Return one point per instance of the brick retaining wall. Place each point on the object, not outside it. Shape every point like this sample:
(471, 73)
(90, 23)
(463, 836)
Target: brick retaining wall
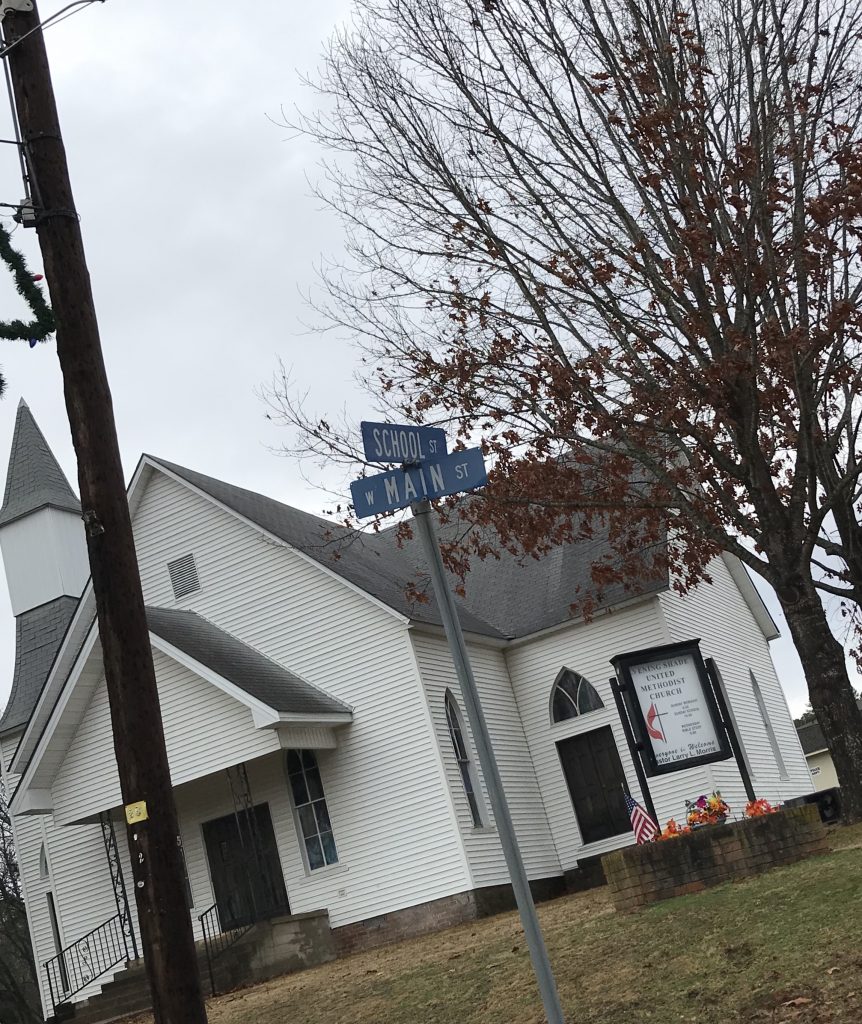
(638, 875)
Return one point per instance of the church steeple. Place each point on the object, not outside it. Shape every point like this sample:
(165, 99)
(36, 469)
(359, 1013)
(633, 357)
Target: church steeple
(34, 479)
(41, 533)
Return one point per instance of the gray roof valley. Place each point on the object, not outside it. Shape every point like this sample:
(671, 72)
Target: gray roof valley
(505, 597)
(34, 479)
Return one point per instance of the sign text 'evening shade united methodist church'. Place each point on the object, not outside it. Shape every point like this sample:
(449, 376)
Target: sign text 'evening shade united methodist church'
(672, 707)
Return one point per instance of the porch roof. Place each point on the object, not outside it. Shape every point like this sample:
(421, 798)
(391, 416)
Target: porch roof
(260, 677)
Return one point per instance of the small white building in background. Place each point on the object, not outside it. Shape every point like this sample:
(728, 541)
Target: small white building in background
(820, 764)
(296, 678)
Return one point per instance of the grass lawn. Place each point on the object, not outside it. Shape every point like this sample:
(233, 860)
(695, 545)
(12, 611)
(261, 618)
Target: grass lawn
(782, 947)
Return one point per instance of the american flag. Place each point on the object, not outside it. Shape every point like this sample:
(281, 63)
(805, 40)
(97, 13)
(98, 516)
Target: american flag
(644, 828)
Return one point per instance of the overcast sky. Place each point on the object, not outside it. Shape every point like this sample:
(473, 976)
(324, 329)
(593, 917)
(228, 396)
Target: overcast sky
(201, 238)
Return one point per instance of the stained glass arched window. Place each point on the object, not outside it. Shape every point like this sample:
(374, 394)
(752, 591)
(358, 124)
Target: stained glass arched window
(573, 696)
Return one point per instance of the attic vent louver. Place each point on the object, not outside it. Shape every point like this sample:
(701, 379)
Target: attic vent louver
(184, 575)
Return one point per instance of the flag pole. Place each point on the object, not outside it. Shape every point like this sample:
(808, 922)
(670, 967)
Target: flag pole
(616, 689)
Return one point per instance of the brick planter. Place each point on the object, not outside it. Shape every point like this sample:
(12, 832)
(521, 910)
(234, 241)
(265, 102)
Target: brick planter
(638, 875)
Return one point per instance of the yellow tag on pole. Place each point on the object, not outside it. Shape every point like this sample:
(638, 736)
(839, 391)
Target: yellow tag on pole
(136, 812)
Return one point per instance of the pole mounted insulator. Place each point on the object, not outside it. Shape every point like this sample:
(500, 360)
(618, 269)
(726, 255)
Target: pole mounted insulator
(14, 5)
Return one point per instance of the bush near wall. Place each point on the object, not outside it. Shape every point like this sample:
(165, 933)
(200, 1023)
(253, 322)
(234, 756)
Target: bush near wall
(638, 875)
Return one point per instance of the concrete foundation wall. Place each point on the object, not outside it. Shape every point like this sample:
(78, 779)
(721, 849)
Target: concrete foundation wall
(438, 914)
(280, 946)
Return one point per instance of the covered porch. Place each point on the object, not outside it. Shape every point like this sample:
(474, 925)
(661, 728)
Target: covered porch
(249, 745)
(253, 840)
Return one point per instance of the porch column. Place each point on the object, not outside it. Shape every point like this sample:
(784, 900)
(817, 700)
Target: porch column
(118, 882)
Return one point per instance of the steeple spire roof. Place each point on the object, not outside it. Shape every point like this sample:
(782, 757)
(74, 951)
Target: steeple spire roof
(34, 479)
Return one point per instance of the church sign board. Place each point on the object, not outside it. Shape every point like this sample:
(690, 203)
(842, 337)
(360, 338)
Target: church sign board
(672, 707)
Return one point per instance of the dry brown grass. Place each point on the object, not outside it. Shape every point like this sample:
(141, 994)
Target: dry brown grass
(784, 947)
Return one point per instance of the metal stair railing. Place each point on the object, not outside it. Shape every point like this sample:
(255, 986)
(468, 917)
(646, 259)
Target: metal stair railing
(217, 939)
(86, 960)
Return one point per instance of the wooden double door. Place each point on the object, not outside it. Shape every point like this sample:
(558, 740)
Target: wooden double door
(245, 869)
(596, 780)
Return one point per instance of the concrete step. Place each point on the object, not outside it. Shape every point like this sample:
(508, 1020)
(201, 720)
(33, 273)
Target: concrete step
(129, 990)
(266, 950)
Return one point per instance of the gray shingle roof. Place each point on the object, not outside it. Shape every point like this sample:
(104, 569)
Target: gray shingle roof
(240, 664)
(38, 635)
(371, 562)
(523, 595)
(505, 597)
(811, 735)
(34, 479)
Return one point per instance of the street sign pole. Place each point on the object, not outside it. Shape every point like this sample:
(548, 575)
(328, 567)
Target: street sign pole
(424, 513)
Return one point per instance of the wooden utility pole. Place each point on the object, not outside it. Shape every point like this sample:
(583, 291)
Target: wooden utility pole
(139, 742)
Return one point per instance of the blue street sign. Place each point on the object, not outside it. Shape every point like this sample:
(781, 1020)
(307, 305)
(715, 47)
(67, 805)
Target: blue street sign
(390, 442)
(385, 492)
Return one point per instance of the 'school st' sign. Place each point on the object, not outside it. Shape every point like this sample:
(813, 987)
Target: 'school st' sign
(389, 442)
(672, 707)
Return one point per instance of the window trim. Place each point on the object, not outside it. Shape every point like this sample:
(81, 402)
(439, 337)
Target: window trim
(780, 763)
(190, 902)
(57, 935)
(728, 703)
(464, 761)
(581, 679)
(297, 817)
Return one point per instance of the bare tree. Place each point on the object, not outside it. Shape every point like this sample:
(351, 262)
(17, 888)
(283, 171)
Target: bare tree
(620, 241)
(19, 1000)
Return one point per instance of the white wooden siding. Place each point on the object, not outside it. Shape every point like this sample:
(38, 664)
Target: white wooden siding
(205, 730)
(79, 878)
(28, 833)
(723, 622)
(587, 649)
(336, 888)
(482, 845)
(384, 783)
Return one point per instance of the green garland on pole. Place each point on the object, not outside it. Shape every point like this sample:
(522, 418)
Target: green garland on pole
(43, 324)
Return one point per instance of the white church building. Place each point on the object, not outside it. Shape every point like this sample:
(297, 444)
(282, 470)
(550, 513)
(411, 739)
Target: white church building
(304, 695)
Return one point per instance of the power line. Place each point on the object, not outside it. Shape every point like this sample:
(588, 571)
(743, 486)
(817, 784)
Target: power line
(55, 19)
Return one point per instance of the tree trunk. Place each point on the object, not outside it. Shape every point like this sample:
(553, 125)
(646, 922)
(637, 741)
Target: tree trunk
(829, 687)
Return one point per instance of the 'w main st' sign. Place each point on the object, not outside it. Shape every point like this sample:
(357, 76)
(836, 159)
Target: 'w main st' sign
(435, 478)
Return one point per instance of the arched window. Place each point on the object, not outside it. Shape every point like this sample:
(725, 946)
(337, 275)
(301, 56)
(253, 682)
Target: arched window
(573, 696)
(43, 862)
(465, 765)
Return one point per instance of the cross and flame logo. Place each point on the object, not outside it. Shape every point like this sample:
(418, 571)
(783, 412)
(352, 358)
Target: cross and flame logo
(654, 730)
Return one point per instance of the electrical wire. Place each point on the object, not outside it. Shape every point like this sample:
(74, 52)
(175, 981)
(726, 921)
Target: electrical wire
(24, 175)
(54, 19)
